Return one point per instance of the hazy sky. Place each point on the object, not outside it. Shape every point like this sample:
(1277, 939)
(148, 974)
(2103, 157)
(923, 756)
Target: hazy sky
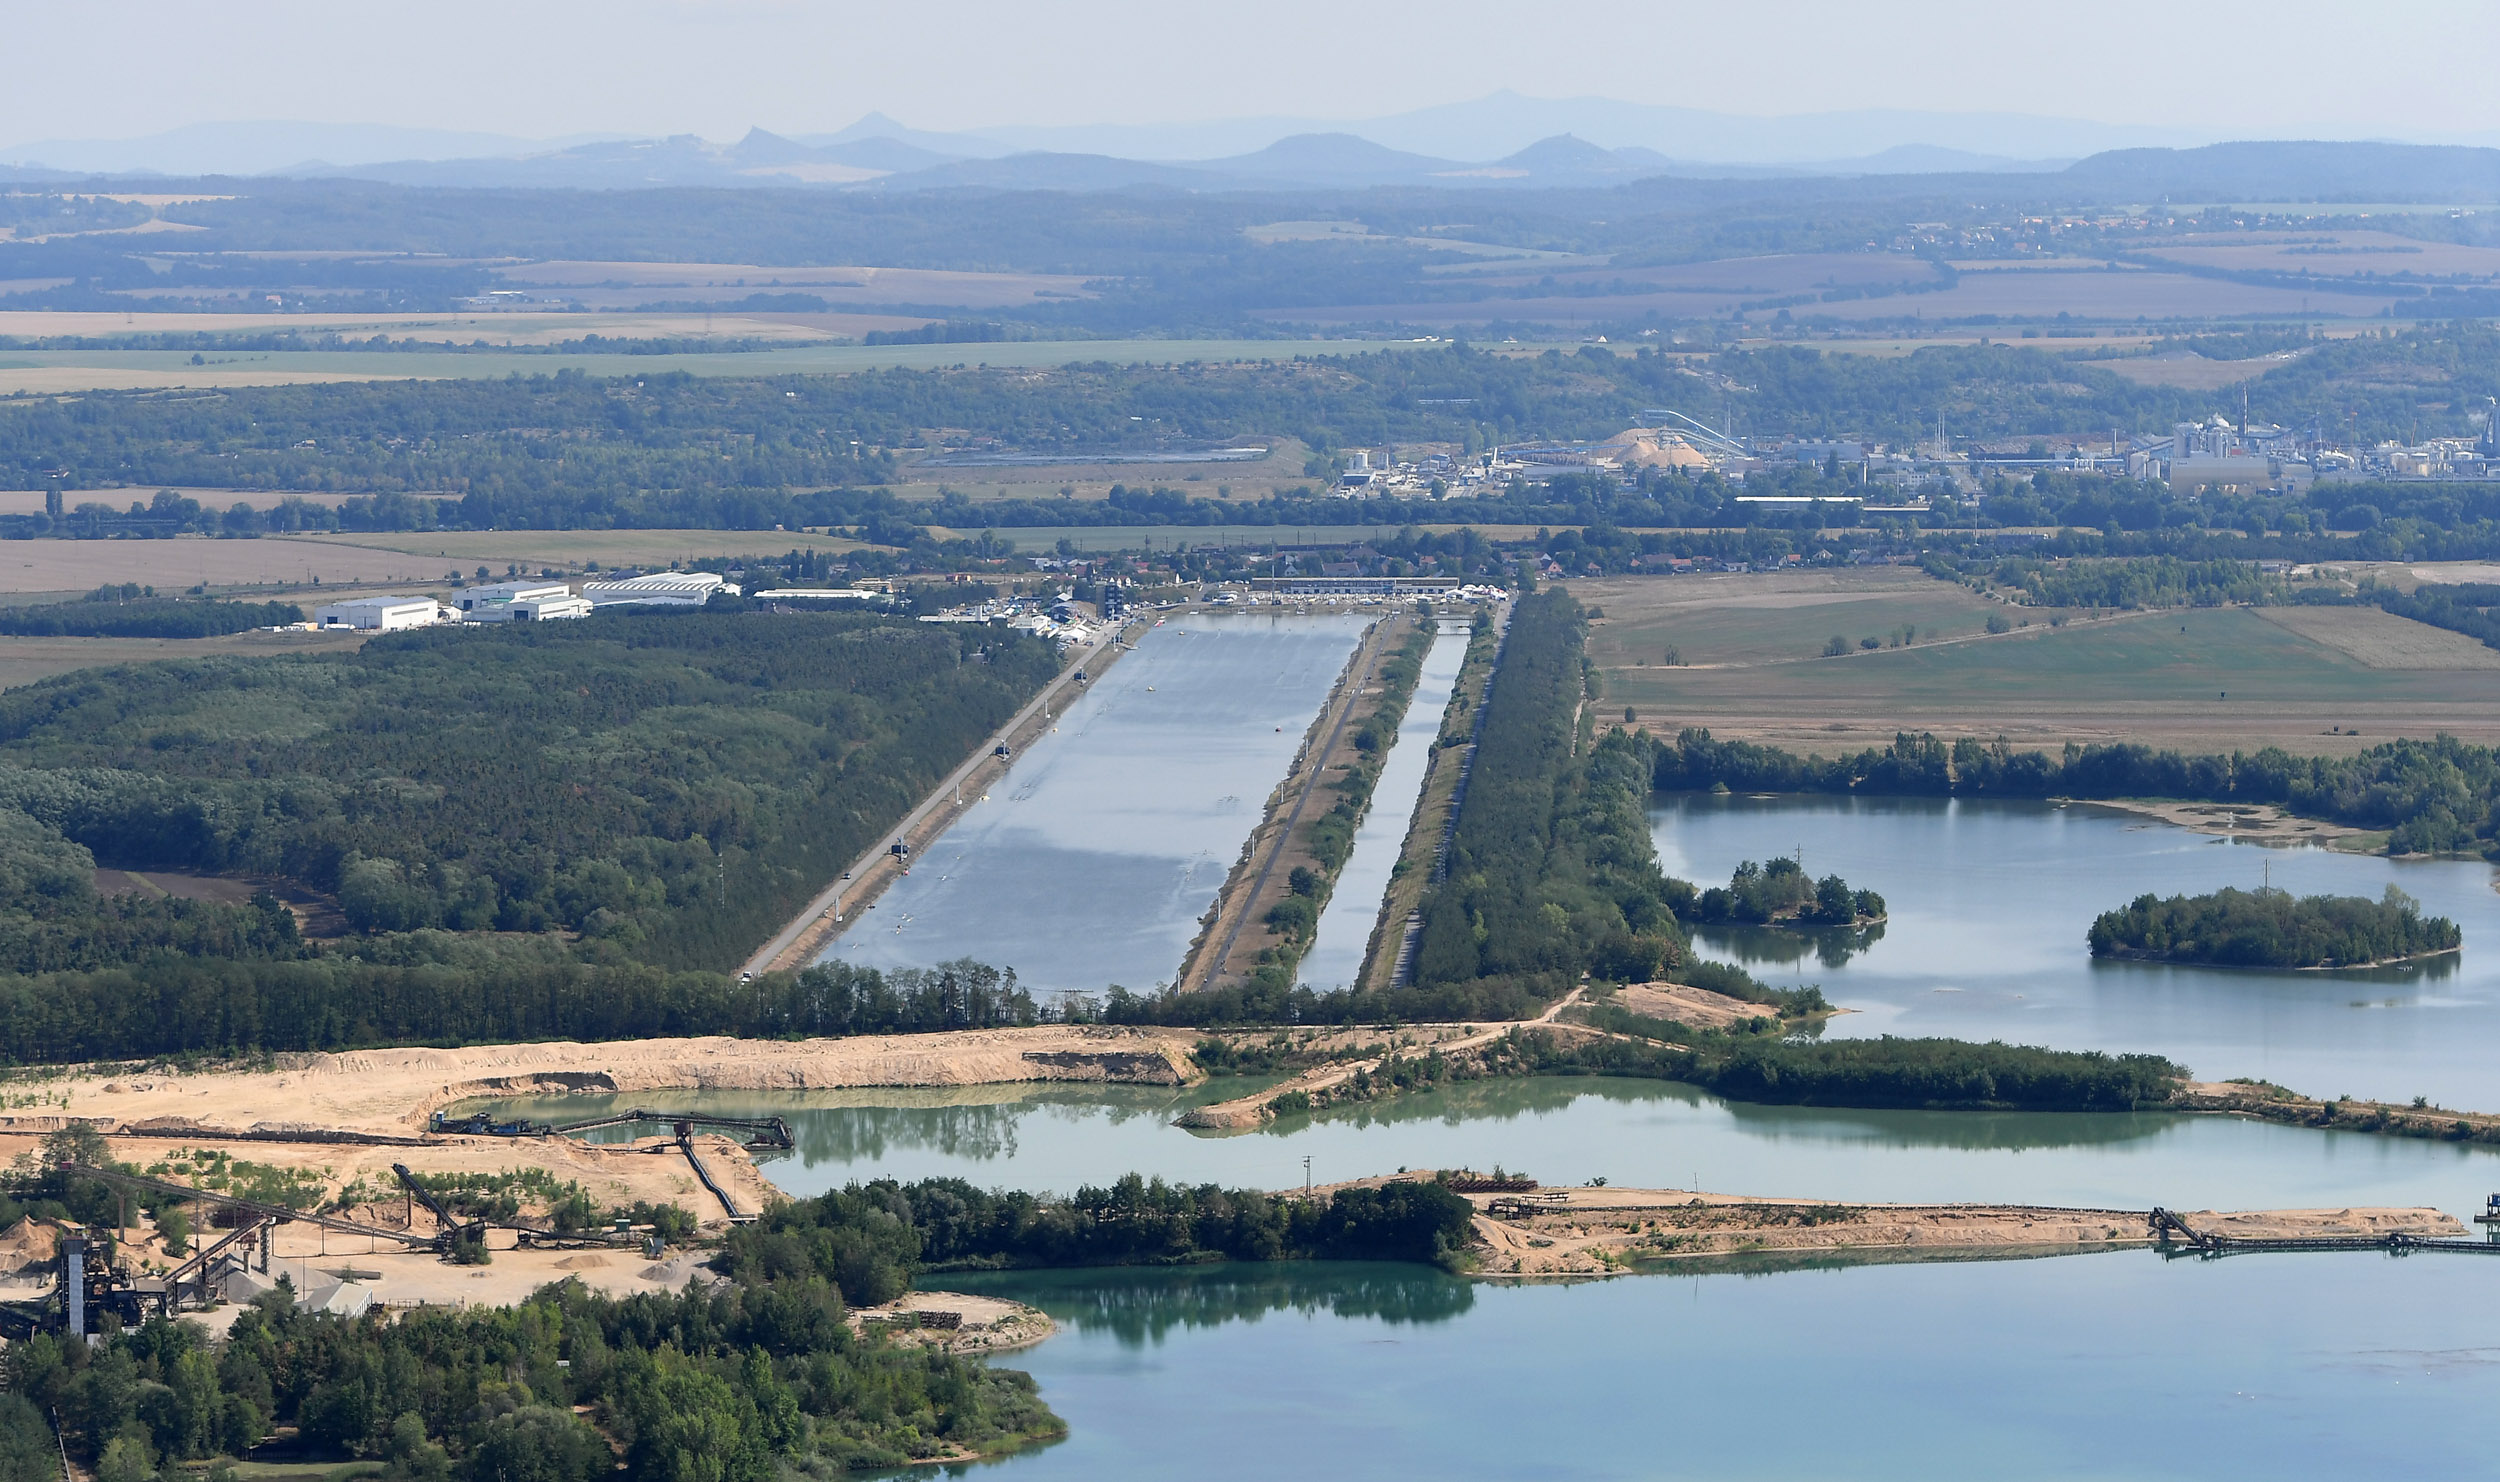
(119, 68)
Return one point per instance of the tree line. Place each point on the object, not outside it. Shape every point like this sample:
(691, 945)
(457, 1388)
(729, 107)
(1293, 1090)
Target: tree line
(2272, 928)
(741, 1384)
(1781, 891)
(2431, 796)
(870, 1240)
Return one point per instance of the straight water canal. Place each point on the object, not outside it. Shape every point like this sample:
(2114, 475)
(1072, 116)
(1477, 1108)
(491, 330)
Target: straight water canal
(1345, 928)
(1989, 904)
(1090, 862)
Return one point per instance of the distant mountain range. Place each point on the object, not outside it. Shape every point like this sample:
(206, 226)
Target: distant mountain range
(878, 153)
(1491, 128)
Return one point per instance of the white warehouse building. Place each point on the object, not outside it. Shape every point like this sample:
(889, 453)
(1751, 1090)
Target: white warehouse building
(667, 588)
(379, 614)
(519, 602)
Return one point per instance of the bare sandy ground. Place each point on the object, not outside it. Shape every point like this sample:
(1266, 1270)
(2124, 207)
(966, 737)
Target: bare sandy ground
(1376, 1046)
(393, 1091)
(1579, 1231)
(1698, 1007)
(2261, 823)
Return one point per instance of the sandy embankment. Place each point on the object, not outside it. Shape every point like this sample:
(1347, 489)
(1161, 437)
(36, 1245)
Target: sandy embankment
(389, 1094)
(1580, 1231)
(1366, 1050)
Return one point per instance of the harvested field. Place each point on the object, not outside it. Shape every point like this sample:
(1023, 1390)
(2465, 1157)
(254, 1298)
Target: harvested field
(845, 287)
(437, 551)
(25, 660)
(2194, 372)
(2336, 255)
(2383, 640)
(493, 328)
(1749, 645)
(278, 561)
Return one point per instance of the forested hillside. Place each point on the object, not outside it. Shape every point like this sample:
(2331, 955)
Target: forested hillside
(634, 802)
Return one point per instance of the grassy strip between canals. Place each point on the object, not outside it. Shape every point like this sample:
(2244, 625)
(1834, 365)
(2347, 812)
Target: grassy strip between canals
(2273, 928)
(1330, 837)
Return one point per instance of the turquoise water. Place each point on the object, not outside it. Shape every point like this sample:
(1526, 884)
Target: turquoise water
(1641, 1134)
(1090, 863)
(2114, 1365)
(1345, 927)
(1990, 902)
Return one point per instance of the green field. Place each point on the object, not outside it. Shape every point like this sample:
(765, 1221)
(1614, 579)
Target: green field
(68, 370)
(2213, 679)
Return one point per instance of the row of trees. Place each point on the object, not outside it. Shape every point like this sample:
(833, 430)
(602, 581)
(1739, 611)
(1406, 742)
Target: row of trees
(870, 1239)
(1294, 921)
(1551, 869)
(2272, 928)
(2441, 795)
(1869, 1072)
(148, 617)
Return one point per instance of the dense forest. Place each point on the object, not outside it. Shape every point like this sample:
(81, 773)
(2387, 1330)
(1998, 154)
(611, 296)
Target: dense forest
(748, 1383)
(2272, 928)
(633, 801)
(2435, 796)
(1550, 866)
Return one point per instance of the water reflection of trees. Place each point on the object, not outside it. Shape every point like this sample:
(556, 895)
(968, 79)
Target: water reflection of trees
(1139, 1306)
(1830, 946)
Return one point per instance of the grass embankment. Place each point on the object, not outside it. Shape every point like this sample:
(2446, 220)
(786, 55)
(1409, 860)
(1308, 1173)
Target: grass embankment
(1315, 859)
(1412, 875)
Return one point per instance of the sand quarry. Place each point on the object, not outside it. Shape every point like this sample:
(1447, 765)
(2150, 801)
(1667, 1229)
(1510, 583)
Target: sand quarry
(374, 1107)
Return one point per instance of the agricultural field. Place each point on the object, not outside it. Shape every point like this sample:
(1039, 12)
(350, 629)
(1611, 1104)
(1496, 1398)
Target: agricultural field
(2337, 255)
(625, 284)
(2202, 679)
(273, 563)
(56, 372)
(25, 660)
(435, 552)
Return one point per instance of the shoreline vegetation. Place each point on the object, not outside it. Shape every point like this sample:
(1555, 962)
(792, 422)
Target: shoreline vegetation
(2269, 928)
(1780, 893)
(2428, 797)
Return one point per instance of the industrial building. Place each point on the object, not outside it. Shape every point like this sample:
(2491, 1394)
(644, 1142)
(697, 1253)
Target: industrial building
(663, 588)
(379, 614)
(519, 602)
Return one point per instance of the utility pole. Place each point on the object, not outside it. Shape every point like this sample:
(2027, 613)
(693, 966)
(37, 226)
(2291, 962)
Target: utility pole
(1306, 1173)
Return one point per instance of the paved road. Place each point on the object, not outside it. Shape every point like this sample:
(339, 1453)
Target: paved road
(857, 877)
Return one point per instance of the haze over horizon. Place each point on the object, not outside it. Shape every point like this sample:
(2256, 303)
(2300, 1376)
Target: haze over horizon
(1117, 76)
